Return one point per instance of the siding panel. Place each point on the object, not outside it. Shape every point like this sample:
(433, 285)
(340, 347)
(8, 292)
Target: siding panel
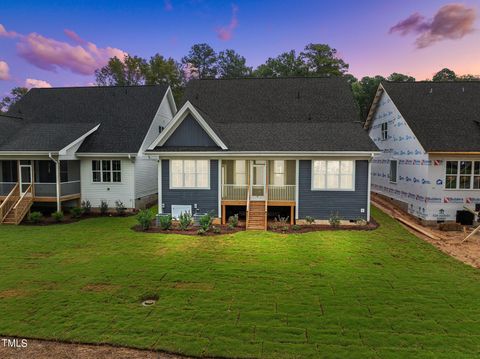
(190, 133)
(146, 177)
(320, 204)
(206, 200)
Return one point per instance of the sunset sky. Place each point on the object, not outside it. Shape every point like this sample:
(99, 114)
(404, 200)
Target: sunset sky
(60, 43)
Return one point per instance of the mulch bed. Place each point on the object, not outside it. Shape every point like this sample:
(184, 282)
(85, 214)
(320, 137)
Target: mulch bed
(325, 227)
(67, 219)
(192, 231)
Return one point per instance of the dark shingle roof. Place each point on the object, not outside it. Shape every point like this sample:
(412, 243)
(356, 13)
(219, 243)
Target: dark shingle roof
(443, 115)
(281, 114)
(124, 113)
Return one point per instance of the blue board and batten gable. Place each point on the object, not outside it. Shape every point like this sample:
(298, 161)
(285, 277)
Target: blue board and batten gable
(189, 134)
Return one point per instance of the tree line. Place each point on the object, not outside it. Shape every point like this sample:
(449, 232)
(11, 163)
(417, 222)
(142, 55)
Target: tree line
(203, 62)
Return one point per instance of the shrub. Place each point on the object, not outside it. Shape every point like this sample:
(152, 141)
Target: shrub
(120, 208)
(334, 219)
(233, 221)
(87, 207)
(103, 207)
(185, 220)
(216, 230)
(58, 216)
(206, 221)
(201, 232)
(35, 217)
(309, 219)
(296, 227)
(165, 222)
(145, 218)
(76, 212)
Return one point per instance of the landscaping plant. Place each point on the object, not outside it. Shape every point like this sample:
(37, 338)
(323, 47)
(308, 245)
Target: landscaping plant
(145, 218)
(58, 216)
(206, 221)
(103, 207)
(120, 208)
(309, 219)
(76, 212)
(184, 220)
(334, 219)
(35, 217)
(165, 222)
(87, 207)
(233, 221)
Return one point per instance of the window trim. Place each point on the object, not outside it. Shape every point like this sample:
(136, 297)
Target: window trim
(458, 175)
(384, 132)
(111, 182)
(312, 186)
(390, 171)
(183, 161)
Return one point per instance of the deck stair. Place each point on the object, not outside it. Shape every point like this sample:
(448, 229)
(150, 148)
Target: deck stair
(256, 216)
(16, 206)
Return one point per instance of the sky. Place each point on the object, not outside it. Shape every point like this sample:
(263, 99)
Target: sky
(61, 42)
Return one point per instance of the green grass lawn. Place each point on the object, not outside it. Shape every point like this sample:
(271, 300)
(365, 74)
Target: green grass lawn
(345, 294)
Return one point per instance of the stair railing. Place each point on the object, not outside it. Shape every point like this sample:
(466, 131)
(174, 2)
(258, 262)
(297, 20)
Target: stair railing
(9, 202)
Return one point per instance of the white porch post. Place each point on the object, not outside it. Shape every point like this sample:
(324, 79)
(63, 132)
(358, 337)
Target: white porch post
(160, 209)
(57, 175)
(297, 176)
(369, 189)
(220, 187)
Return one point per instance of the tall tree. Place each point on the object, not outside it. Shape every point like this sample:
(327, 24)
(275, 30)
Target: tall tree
(232, 65)
(15, 94)
(444, 75)
(201, 61)
(286, 64)
(364, 92)
(130, 71)
(400, 77)
(160, 70)
(468, 77)
(321, 59)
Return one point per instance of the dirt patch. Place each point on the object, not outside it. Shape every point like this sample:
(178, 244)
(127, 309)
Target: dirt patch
(42, 349)
(100, 287)
(450, 242)
(322, 227)
(13, 293)
(192, 231)
(194, 286)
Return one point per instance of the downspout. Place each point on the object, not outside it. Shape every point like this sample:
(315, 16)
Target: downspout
(369, 189)
(57, 179)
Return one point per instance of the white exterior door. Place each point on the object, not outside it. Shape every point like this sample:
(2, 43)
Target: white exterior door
(25, 177)
(258, 180)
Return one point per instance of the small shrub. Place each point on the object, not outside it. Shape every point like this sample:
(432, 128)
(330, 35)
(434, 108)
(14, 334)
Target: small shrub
(87, 207)
(35, 217)
(233, 221)
(165, 222)
(282, 221)
(309, 219)
(284, 228)
(216, 230)
(184, 220)
(120, 208)
(334, 219)
(103, 207)
(296, 227)
(201, 232)
(76, 212)
(58, 216)
(206, 221)
(145, 218)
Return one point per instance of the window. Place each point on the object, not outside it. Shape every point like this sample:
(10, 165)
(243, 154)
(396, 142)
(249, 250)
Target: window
(333, 175)
(279, 173)
(106, 171)
(393, 171)
(462, 175)
(189, 174)
(384, 131)
(240, 172)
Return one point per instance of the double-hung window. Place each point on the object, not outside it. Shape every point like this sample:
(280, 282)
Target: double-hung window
(190, 174)
(333, 175)
(240, 172)
(393, 171)
(462, 175)
(107, 171)
(278, 173)
(384, 131)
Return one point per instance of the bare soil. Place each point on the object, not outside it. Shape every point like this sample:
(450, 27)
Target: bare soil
(42, 349)
(450, 242)
(305, 228)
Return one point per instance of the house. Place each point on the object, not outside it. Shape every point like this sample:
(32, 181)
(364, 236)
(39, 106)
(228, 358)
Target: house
(286, 146)
(66, 145)
(429, 137)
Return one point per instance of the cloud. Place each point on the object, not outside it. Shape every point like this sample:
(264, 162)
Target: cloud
(167, 5)
(34, 83)
(225, 33)
(4, 71)
(83, 57)
(451, 22)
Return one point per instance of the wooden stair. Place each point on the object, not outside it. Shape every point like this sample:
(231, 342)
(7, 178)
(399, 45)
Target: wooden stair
(15, 207)
(256, 216)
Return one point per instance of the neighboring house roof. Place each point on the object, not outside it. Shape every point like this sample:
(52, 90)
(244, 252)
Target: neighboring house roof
(58, 115)
(444, 116)
(280, 114)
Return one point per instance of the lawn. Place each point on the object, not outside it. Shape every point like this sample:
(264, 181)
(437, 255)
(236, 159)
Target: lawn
(345, 294)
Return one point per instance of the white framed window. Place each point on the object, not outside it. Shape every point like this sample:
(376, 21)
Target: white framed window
(384, 131)
(278, 173)
(462, 175)
(107, 171)
(240, 172)
(333, 175)
(393, 171)
(193, 174)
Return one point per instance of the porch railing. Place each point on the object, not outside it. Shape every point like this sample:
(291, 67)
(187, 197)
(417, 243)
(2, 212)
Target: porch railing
(234, 192)
(6, 187)
(281, 193)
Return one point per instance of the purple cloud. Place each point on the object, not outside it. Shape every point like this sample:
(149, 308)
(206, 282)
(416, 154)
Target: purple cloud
(225, 33)
(451, 22)
(4, 71)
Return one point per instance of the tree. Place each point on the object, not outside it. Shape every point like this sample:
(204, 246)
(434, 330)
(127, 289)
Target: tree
(400, 77)
(321, 59)
(160, 70)
(232, 65)
(468, 77)
(286, 64)
(364, 92)
(128, 72)
(201, 61)
(15, 94)
(444, 75)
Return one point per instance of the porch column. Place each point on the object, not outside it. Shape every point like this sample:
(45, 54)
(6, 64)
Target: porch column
(297, 176)
(57, 175)
(160, 208)
(220, 188)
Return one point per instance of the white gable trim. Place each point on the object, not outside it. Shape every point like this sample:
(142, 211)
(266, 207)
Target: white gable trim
(188, 108)
(64, 150)
(373, 107)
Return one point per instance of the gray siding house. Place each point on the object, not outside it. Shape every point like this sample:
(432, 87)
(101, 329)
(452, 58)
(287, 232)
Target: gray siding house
(263, 147)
